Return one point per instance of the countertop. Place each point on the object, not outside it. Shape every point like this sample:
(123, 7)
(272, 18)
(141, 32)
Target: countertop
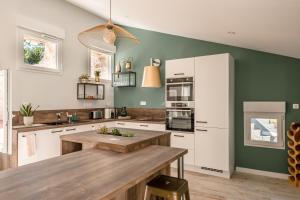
(141, 138)
(89, 174)
(37, 127)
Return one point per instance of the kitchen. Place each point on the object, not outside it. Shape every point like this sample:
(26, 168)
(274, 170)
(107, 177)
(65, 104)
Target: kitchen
(202, 95)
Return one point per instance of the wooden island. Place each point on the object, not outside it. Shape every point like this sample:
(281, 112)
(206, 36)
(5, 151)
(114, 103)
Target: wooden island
(101, 168)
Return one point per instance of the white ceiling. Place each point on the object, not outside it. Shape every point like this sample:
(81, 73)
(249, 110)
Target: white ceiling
(265, 25)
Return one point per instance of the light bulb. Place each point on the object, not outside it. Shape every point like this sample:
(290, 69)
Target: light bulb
(109, 36)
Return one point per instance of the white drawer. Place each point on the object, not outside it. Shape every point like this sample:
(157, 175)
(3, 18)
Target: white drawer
(183, 140)
(189, 158)
(141, 126)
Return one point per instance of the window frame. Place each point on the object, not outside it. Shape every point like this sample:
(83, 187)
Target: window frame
(21, 65)
(280, 129)
(111, 61)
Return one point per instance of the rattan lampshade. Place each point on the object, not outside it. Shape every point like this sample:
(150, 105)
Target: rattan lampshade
(151, 78)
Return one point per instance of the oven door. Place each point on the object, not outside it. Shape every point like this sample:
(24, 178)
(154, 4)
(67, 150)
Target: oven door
(180, 91)
(180, 119)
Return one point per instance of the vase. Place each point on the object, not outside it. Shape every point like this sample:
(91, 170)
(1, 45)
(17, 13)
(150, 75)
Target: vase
(97, 79)
(28, 121)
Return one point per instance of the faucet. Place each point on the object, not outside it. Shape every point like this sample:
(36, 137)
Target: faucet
(69, 118)
(58, 117)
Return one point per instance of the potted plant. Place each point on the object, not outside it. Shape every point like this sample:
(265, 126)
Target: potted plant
(27, 112)
(84, 78)
(97, 75)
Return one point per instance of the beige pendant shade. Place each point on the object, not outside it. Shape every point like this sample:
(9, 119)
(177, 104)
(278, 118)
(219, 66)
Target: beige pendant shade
(151, 77)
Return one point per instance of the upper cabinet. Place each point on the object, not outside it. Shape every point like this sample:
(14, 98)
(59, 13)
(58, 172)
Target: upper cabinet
(214, 84)
(180, 68)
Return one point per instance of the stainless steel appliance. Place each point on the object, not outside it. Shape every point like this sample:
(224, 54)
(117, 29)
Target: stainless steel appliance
(180, 117)
(180, 89)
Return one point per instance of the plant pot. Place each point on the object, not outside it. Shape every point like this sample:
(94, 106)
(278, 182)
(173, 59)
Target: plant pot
(28, 121)
(84, 80)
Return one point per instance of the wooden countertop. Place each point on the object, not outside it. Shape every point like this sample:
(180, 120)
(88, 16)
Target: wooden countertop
(90, 174)
(84, 122)
(121, 144)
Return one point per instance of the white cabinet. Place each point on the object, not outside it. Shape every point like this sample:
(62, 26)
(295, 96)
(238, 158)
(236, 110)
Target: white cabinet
(214, 114)
(212, 148)
(180, 68)
(186, 141)
(46, 146)
(212, 90)
(140, 126)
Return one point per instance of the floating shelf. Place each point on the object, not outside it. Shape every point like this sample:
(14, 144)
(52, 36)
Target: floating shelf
(90, 91)
(124, 79)
(294, 154)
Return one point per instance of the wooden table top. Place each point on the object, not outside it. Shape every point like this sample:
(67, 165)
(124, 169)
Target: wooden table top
(90, 174)
(115, 143)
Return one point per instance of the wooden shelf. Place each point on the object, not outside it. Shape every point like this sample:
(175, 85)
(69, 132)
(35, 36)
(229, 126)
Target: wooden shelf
(294, 152)
(90, 91)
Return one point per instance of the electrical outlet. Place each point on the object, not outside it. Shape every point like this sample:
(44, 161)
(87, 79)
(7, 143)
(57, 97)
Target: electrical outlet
(295, 106)
(143, 103)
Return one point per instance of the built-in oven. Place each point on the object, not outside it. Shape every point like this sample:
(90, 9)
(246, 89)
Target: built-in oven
(180, 119)
(180, 89)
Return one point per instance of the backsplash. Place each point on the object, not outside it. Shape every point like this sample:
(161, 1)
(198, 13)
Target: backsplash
(43, 116)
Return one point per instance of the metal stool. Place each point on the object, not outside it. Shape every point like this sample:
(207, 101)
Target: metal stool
(167, 188)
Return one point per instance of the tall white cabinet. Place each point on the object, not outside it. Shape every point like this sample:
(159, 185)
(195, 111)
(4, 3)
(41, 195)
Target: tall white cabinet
(214, 114)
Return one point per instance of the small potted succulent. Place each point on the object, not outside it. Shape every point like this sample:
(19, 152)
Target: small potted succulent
(84, 78)
(27, 112)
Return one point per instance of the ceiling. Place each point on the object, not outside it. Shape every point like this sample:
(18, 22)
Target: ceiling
(265, 25)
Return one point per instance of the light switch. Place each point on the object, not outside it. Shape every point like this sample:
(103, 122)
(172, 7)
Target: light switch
(143, 103)
(295, 106)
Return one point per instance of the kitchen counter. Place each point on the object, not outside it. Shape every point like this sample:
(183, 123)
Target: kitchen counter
(83, 122)
(91, 139)
(91, 174)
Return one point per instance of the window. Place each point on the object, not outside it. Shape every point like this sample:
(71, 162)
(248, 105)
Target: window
(39, 51)
(100, 62)
(264, 124)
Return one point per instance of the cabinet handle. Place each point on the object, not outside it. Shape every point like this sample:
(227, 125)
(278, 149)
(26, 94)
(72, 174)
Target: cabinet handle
(143, 125)
(177, 74)
(201, 122)
(59, 131)
(120, 123)
(178, 136)
(202, 130)
(71, 129)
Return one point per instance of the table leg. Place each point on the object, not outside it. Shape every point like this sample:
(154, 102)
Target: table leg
(180, 167)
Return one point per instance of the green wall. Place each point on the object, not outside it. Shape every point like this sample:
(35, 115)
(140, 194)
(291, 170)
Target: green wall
(259, 76)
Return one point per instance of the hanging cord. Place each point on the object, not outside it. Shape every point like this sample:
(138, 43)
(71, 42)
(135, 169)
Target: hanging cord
(110, 10)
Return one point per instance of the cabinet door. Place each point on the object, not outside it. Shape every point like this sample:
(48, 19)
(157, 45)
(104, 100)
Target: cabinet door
(48, 143)
(180, 68)
(211, 148)
(23, 158)
(212, 91)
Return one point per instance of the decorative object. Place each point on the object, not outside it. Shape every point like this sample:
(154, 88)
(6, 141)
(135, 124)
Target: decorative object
(106, 33)
(118, 68)
(124, 79)
(90, 91)
(27, 112)
(97, 76)
(151, 77)
(128, 64)
(84, 78)
(294, 154)
(123, 112)
(114, 131)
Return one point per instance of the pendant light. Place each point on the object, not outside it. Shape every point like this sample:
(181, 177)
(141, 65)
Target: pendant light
(151, 76)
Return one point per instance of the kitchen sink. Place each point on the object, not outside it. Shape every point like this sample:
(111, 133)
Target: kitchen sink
(56, 123)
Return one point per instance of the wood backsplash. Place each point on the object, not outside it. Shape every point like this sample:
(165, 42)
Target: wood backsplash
(43, 116)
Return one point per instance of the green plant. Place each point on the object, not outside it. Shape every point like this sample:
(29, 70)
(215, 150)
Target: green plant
(97, 73)
(33, 54)
(115, 132)
(27, 111)
(102, 130)
(84, 76)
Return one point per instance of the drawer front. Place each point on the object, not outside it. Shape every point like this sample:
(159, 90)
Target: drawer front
(183, 140)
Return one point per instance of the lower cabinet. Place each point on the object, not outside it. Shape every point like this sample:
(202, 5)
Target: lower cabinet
(186, 141)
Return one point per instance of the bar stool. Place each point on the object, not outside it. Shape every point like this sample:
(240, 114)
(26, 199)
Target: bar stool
(167, 188)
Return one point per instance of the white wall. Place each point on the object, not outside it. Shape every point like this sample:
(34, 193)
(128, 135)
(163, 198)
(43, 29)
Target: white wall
(48, 90)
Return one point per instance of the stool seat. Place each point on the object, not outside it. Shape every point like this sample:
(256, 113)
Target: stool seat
(167, 187)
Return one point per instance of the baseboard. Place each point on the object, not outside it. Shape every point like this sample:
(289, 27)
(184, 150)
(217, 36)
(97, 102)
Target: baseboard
(262, 173)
